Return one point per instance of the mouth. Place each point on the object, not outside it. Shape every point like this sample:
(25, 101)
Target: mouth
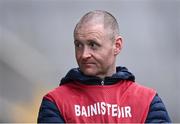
(88, 64)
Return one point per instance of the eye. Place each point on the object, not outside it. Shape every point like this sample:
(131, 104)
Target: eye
(78, 44)
(93, 45)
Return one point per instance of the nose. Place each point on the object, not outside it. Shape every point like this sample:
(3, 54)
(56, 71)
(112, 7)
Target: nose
(86, 53)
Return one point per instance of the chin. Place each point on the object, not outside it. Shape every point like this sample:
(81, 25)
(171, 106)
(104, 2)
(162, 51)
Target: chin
(89, 72)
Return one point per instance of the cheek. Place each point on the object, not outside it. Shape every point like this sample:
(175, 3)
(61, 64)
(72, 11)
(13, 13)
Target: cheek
(77, 55)
(108, 53)
(103, 58)
(108, 57)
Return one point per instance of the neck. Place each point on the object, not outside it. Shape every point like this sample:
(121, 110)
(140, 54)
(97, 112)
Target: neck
(108, 74)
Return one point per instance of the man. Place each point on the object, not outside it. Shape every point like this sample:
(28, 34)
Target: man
(98, 91)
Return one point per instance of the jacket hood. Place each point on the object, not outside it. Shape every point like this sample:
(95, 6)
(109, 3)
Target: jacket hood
(75, 74)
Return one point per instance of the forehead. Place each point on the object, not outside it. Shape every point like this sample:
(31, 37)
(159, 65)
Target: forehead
(89, 30)
(83, 28)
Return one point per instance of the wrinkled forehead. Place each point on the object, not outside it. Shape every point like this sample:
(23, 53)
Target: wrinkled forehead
(89, 32)
(89, 27)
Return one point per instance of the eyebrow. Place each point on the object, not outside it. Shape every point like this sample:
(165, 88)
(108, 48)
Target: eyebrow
(89, 40)
(75, 41)
(94, 41)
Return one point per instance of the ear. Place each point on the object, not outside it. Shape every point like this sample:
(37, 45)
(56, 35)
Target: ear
(118, 45)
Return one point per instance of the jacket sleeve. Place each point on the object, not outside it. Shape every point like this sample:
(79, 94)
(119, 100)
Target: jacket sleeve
(157, 112)
(49, 113)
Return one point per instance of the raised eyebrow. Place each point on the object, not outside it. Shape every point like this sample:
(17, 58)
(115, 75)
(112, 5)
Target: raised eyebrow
(94, 41)
(77, 41)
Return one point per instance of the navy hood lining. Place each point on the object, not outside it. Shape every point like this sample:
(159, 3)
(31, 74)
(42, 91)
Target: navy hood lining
(75, 74)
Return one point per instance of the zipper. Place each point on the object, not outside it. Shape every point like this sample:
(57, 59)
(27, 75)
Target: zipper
(102, 82)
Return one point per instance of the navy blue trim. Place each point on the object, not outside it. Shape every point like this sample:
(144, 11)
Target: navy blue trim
(49, 113)
(157, 112)
(75, 74)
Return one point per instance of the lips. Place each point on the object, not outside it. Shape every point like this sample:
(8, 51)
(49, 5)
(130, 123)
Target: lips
(88, 64)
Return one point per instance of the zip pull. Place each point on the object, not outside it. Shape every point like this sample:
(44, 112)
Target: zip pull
(102, 82)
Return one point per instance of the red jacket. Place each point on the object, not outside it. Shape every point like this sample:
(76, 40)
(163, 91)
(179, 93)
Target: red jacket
(122, 102)
(81, 98)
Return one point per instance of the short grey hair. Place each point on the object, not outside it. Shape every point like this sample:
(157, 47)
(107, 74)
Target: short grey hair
(100, 16)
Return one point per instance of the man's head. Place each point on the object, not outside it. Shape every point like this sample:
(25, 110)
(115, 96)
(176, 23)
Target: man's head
(97, 43)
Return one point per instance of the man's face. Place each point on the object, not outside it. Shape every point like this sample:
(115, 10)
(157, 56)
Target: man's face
(94, 51)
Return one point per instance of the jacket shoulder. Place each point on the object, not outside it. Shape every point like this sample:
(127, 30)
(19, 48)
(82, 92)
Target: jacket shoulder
(49, 113)
(157, 112)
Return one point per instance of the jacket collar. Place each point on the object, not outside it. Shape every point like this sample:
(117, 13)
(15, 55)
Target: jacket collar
(75, 74)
